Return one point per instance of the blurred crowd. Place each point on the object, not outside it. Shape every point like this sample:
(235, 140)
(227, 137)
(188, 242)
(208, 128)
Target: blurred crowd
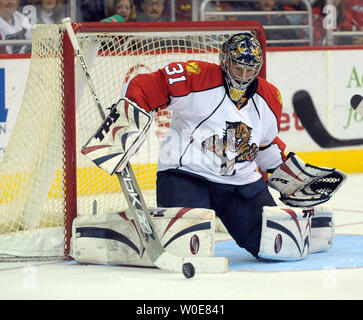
(17, 16)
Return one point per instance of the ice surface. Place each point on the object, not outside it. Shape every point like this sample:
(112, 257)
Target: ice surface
(335, 274)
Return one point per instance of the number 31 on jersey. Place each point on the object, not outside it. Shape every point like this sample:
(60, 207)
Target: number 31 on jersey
(175, 71)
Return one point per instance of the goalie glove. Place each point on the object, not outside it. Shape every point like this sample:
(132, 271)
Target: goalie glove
(303, 185)
(119, 137)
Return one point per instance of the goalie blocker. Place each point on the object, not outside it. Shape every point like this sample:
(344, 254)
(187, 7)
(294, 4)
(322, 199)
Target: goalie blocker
(119, 137)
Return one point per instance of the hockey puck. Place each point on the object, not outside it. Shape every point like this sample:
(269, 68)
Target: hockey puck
(355, 101)
(188, 270)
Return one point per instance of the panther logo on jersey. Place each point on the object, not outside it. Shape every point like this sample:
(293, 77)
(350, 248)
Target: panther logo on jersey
(233, 147)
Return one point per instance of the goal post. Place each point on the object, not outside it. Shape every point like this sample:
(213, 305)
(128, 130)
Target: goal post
(45, 181)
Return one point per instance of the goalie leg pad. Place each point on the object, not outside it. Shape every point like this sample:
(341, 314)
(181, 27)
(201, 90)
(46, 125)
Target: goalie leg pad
(113, 239)
(285, 234)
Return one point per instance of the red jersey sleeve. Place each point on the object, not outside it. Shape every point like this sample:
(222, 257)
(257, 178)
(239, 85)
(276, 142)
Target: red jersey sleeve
(281, 146)
(272, 97)
(272, 155)
(153, 91)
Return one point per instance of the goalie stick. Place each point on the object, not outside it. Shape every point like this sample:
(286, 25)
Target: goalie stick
(305, 110)
(153, 247)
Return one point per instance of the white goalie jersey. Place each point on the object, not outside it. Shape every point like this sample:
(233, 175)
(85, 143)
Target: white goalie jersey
(209, 135)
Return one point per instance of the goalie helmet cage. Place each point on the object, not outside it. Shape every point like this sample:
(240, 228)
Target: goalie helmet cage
(45, 182)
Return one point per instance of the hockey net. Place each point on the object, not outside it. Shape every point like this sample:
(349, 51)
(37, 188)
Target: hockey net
(44, 180)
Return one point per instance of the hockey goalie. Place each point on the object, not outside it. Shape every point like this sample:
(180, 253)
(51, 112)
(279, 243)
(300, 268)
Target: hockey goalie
(223, 132)
(113, 238)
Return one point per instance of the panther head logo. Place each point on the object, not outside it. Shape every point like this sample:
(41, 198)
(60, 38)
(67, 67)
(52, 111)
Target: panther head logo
(234, 147)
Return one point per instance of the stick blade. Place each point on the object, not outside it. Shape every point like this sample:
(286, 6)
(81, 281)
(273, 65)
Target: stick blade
(306, 112)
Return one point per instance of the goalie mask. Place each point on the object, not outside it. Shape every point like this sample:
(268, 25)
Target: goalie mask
(241, 60)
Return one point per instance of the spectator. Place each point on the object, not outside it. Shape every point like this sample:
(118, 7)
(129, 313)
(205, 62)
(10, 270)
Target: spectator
(124, 8)
(355, 7)
(295, 5)
(243, 5)
(49, 11)
(92, 10)
(344, 22)
(183, 10)
(13, 26)
(152, 11)
(271, 20)
(219, 7)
